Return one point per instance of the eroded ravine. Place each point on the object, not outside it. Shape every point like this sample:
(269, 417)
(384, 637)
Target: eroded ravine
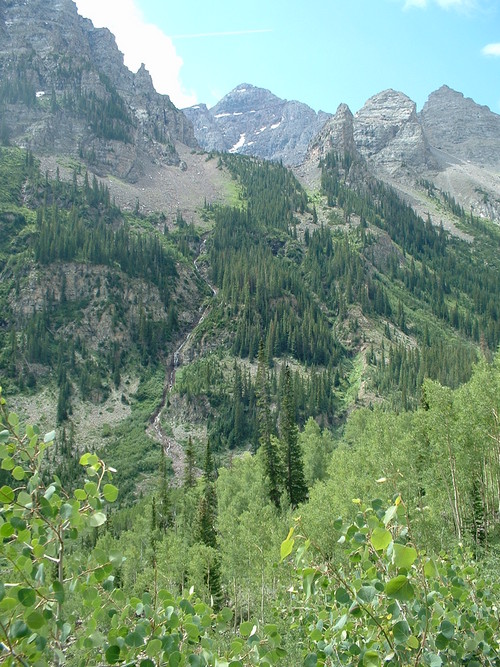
(172, 448)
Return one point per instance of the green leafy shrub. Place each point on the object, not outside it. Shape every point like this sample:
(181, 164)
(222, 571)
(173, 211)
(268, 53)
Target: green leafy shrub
(390, 602)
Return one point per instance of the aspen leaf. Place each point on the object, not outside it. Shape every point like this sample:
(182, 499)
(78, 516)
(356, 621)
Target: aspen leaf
(35, 621)
(49, 437)
(371, 659)
(380, 538)
(26, 596)
(97, 519)
(390, 514)
(287, 545)
(400, 588)
(110, 493)
(403, 556)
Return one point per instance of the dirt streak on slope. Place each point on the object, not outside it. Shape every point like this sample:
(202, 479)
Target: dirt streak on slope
(172, 448)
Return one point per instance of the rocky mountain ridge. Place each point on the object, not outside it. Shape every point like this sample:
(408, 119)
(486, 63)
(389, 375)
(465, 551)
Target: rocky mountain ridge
(452, 143)
(252, 121)
(64, 89)
(327, 279)
(457, 125)
(65, 92)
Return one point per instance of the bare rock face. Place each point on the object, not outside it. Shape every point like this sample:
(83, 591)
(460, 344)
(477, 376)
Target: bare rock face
(453, 143)
(252, 121)
(336, 135)
(207, 131)
(388, 134)
(66, 90)
(457, 125)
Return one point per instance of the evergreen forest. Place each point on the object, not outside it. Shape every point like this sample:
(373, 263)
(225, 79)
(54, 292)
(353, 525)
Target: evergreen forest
(271, 439)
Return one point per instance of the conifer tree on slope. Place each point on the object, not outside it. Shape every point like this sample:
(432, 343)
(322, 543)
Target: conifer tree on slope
(207, 508)
(189, 480)
(271, 457)
(206, 530)
(164, 519)
(294, 482)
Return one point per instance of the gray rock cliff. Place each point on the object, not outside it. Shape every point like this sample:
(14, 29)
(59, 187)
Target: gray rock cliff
(337, 135)
(388, 134)
(452, 143)
(457, 125)
(252, 121)
(64, 89)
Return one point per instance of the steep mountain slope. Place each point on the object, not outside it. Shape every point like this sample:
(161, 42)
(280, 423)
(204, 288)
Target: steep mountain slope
(435, 160)
(457, 125)
(145, 309)
(452, 143)
(65, 90)
(465, 139)
(214, 309)
(253, 121)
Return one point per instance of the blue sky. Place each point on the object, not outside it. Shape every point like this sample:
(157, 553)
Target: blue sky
(321, 52)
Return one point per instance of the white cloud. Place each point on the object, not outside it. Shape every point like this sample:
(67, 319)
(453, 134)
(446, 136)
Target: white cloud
(491, 50)
(141, 42)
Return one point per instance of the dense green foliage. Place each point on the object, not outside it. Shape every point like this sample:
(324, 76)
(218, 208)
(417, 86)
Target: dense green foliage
(189, 574)
(391, 602)
(443, 271)
(70, 243)
(294, 318)
(410, 582)
(252, 261)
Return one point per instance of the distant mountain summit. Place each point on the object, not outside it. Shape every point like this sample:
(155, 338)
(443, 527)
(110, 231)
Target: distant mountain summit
(337, 135)
(64, 89)
(253, 121)
(457, 125)
(453, 144)
(388, 134)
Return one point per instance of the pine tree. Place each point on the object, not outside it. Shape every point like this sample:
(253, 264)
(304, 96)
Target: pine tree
(271, 459)
(207, 509)
(206, 531)
(189, 481)
(295, 483)
(238, 415)
(163, 518)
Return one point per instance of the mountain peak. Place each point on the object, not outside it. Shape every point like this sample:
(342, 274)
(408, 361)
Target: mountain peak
(245, 87)
(254, 121)
(100, 111)
(336, 135)
(388, 101)
(387, 132)
(456, 124)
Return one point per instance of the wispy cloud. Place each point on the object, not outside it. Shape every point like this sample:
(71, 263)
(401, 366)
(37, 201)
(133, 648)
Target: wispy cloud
(141, 42)
(229, 33)
(491, 50)
(460, 5)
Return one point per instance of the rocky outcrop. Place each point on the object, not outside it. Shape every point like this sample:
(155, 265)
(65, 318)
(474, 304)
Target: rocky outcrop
(336, 135)
(207, 130)
(252, 121)
(388, 134)
(65, 89)
(453, 143)
(457, 125)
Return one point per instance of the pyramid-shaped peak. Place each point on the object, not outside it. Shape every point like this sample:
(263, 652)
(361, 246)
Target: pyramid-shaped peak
(388, 99)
